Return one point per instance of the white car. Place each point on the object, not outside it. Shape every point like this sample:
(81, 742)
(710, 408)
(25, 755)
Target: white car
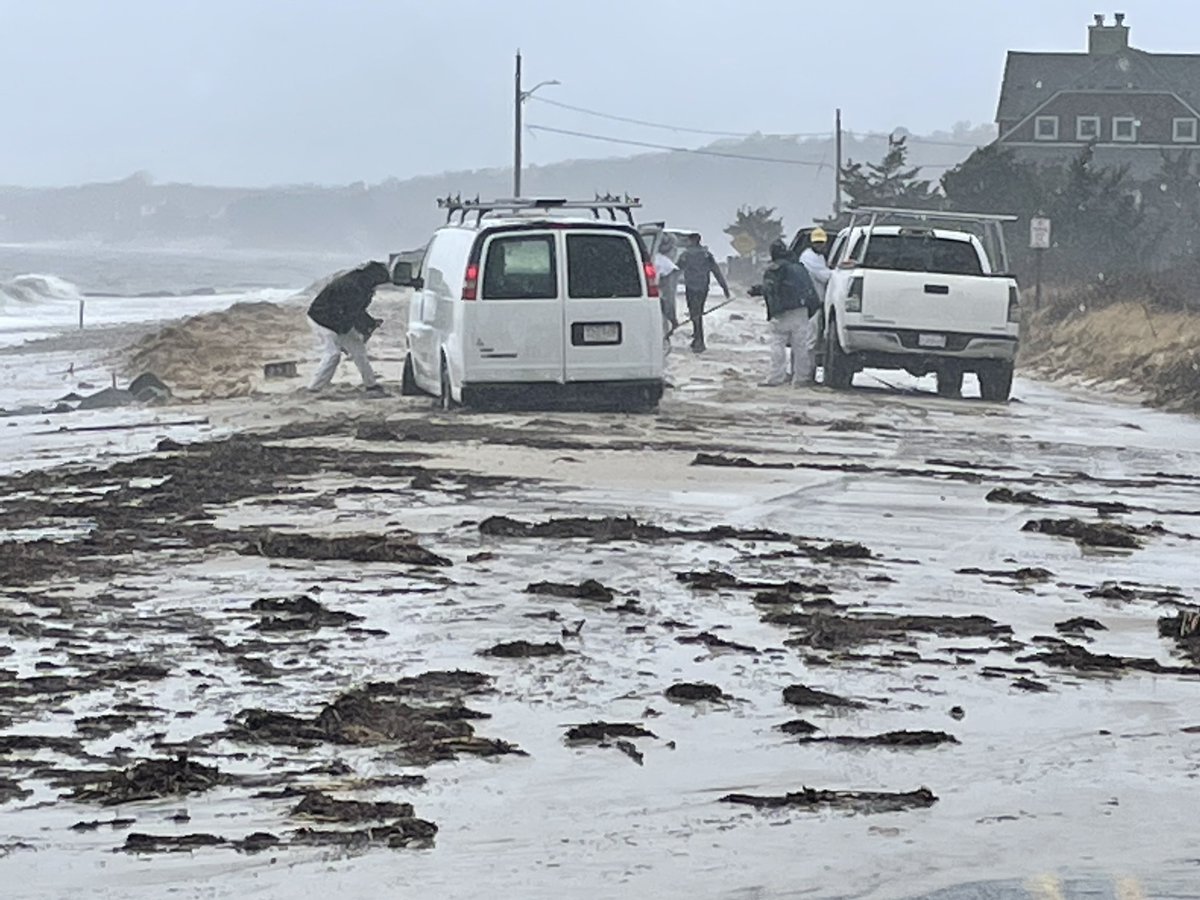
(923, 299)
(529, 301)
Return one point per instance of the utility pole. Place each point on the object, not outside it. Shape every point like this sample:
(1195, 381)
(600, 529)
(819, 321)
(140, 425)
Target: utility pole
(837, 175)
(518, 100)
(520, 95)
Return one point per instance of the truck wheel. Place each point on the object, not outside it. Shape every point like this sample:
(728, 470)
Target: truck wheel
(839, 372)
(995, 381)
(446, 399)
(949, 382)
(408, 381)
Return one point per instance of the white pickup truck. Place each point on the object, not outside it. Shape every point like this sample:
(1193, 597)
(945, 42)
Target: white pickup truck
(905, 294)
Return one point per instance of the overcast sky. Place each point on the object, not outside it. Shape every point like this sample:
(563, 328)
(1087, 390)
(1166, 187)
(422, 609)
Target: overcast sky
(256, 92)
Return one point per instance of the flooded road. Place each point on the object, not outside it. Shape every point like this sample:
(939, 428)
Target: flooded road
(964, 627)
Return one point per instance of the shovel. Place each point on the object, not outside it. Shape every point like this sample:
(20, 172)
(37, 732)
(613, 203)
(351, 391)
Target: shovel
(711, 309)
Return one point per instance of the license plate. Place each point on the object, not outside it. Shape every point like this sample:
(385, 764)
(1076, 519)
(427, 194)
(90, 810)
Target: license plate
(931, 340)
(606, 333)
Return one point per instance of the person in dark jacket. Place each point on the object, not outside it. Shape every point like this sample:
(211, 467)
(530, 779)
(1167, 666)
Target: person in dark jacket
(340, 319)
(791, 297)
(697, 266)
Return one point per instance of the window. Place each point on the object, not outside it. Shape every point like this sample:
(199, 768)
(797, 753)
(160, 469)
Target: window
(1183, 131)
(1087, 128)
(1125, 129)
(1045, 128)
(922, 253)
(520, 268)
(601, 266)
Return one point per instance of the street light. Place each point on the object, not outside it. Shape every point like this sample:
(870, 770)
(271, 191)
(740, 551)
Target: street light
(519, 98)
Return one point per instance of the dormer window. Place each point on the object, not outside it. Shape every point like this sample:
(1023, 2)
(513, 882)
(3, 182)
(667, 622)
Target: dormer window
(1087, 128)
(1183, 131)
(1124, 129)
(1045, 128)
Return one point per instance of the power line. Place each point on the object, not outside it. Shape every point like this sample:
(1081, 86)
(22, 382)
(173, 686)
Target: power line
(666, 127)
(879, 135)
(698, 152)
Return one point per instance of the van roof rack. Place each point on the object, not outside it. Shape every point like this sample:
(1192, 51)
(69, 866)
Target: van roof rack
(609, 203)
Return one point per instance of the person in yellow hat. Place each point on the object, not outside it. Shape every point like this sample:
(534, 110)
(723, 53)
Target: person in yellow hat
(813, 259)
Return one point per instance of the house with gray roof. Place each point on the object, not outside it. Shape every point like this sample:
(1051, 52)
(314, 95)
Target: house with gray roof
(1131, 105)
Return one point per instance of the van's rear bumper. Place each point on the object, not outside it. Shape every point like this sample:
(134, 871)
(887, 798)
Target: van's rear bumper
(642, 392)
(902, 342)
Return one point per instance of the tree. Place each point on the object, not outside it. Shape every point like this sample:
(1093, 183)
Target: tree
(889, 182)
(760, 224)
(992, 180)
(1172, 210)
(1097, 219)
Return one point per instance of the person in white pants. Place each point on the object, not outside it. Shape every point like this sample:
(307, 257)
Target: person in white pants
(813, 259)
(333, 345)
(789, 333)
(339, 318)
(790, 294)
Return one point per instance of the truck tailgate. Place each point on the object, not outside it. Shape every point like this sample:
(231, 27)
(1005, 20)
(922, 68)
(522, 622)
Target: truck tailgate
(934, 302)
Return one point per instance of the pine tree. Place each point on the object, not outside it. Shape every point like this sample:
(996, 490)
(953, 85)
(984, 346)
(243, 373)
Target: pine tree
(889, 182)
(760, 224)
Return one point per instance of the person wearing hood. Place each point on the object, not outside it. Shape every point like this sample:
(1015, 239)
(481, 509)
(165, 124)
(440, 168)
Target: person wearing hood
(813, 259)
(789, 293)
(340, 319)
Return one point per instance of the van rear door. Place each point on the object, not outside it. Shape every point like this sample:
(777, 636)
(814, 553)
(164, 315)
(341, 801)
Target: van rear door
(514, 333)
(613, 327)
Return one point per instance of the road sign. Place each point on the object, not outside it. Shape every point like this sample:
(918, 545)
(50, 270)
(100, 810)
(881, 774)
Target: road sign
(1039, 233)
(744, 244)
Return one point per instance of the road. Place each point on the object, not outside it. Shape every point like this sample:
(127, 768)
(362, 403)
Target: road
(1057, 771)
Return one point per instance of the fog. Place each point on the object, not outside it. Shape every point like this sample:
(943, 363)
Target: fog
(315, 91)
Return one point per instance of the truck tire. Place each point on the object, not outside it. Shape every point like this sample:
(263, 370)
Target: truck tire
(408, 381)
(995, 381)
(839, 372)
(949, 382)
(446, 399)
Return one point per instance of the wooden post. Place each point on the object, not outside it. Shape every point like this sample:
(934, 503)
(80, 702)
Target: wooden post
(518, 99)
(1037, 278)
(81, 314)
(837, 175)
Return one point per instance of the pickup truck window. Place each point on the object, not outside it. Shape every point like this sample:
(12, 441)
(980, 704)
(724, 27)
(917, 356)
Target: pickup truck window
(922, 253)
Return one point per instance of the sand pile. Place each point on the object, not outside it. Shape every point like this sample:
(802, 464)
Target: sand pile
(221, 354)
(1156, 351)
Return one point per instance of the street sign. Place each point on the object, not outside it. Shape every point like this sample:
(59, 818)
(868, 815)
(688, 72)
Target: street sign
(744, 244)
(1039, 233)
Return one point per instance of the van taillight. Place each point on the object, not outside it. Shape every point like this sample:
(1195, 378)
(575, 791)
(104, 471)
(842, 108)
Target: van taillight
(651, 279)
(1014, 304)
(471, 282)
(855, 294)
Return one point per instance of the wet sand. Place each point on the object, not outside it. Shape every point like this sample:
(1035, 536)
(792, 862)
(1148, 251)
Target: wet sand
(985, 702)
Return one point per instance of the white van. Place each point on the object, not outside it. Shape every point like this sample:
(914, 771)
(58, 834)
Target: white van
(523, 302)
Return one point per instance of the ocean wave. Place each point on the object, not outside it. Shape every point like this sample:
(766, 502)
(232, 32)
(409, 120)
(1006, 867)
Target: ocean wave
(24, 291)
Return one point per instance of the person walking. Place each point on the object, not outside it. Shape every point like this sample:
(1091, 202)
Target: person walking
(789, 293)
(667, 274)
(340, 319)
(698, 266)
(813, 259)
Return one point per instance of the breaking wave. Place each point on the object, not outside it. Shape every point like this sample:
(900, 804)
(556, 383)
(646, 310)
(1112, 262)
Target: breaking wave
(24, 291)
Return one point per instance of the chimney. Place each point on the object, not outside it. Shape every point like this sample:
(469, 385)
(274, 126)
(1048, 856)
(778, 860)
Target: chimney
(1108, 40)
